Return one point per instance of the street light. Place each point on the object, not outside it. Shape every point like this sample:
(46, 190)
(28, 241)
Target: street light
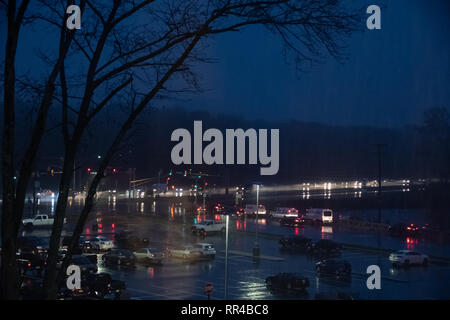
(256, 247)
(227, 218)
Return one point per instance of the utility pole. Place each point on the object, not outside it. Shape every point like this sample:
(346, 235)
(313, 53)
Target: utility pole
(134, 184)
(34, 193)
(379, 152)
(74, 178)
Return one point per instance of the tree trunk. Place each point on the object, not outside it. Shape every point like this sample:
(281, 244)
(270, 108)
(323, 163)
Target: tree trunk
(9, 274)
(50, 283)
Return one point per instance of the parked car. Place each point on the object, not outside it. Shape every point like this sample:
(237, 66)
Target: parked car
(295, 244)
(206, 250)
(28, 261)
(85, 245)
(291, 222)
(148, 255)
(100, 243)
(405, 258)
(287, 281)
(121, 257)
(185, 253)
(86, 264)
(94, 286)
(101, 284)
(338, 268)
(208, 226)
(325, 247)
(82, 245)
(31, 244)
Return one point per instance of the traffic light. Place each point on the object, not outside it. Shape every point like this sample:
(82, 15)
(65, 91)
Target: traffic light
(199, 177)
(170, 173)
(114, 170)
(52, 172)
(89, 169)
(185, 173)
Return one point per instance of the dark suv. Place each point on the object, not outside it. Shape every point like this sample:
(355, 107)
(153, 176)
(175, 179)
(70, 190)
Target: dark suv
(121, 257)
(287, 281)
(338, 268)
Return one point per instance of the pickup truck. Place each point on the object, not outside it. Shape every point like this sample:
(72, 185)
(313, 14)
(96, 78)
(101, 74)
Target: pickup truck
(39, 220)
(208, 226)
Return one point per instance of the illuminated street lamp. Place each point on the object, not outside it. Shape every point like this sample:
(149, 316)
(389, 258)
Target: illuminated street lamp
(227, 218)
(256, 247)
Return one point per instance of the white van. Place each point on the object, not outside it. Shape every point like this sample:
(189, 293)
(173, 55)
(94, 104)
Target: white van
(324, 216)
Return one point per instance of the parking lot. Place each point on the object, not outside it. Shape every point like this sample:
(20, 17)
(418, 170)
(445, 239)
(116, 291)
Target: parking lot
(180, 279)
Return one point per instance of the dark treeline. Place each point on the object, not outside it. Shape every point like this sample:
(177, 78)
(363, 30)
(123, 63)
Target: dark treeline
(308, 151)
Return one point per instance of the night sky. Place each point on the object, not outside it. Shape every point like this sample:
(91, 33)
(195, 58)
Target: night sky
(389, 78)
(391, 75)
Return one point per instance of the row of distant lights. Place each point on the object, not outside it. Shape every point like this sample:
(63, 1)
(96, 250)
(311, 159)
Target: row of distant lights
(405, 184)
(328, 185)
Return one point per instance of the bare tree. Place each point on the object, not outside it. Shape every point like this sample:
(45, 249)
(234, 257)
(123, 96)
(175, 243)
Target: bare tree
(8, 268)
(15, 192)
(136, 47)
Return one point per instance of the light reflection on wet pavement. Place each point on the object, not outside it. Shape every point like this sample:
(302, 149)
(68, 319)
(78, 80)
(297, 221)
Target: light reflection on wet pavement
(170, 224)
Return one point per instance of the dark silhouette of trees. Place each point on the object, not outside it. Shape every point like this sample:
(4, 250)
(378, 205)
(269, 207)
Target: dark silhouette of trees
(435, 143)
